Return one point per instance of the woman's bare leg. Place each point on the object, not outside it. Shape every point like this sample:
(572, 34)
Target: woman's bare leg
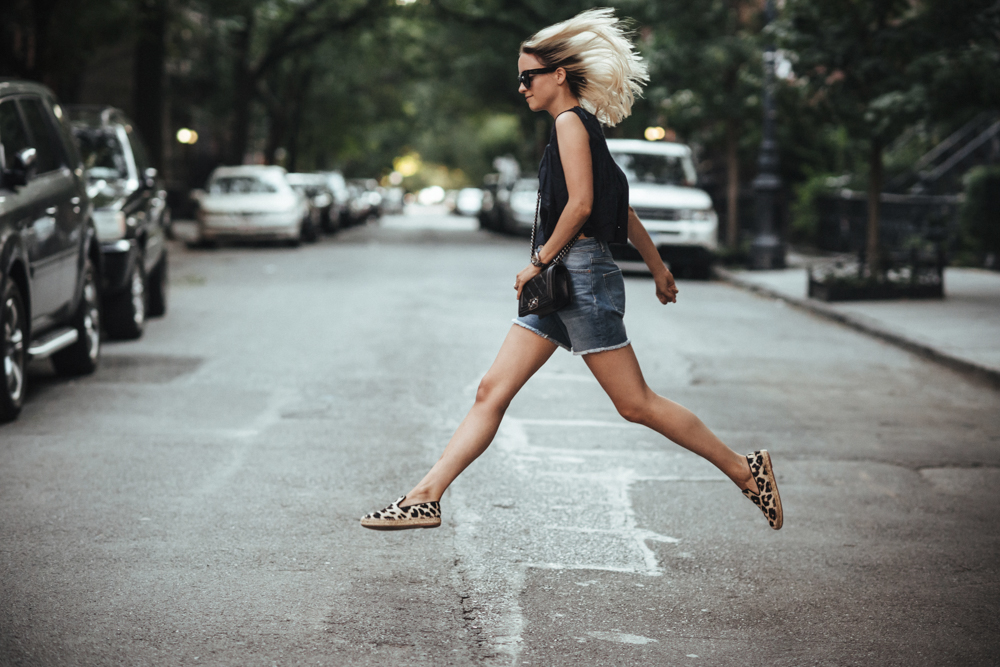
(521, 355)
(619, 374)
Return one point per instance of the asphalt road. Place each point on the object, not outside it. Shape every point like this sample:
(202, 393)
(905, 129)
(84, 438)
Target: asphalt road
(197, 500)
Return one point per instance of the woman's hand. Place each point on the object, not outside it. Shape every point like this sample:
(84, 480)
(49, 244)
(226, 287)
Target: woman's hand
(666, 290)
(524, 276)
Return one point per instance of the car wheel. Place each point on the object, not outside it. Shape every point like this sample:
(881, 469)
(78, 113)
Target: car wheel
(125, 312)
(701, 271)
(157, 288)
(168, 224)
(81, 357)
(331, 222)
(296, 240)
(14, 327)
(309, 232)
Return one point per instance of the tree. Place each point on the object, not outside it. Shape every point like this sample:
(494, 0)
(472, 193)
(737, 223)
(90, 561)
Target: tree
(705, 74)
(261, 36)
(856, 59)
(958, 57)
(148, 77)
(52, 41)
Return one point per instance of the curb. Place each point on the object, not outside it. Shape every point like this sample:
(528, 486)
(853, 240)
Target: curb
(976, 371)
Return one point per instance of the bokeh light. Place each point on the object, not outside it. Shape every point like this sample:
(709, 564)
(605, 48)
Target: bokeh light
(187, 136)
(654, 133)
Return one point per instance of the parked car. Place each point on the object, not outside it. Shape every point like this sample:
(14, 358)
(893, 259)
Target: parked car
(50, 258)
(518, 210)
(392, 200)
(469, 201)
(365, 201)
(337, 185)
(316, 189)
(678, 216)
(489, 212)
(251, 202)
(496, 194)
(130, 214)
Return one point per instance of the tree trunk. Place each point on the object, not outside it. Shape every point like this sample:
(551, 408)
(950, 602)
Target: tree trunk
(243, 93)
(732, 185)
(147, 89)
(872, 251)
(301, 94)
(277, 122)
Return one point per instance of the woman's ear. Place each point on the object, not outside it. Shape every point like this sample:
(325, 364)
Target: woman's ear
(560, 76)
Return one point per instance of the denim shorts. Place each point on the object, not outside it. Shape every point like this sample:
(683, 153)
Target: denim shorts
(593, 321)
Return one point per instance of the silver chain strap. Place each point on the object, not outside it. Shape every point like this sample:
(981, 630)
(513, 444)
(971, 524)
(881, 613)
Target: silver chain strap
(562, 253)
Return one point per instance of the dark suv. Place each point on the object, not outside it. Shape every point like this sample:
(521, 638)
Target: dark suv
(131, 215)
(49, 255)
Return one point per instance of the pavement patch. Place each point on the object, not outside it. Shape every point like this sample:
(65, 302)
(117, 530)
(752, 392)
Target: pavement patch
(144, 368)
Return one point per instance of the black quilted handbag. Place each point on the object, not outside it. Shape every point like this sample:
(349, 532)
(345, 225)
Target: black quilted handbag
(550, 290)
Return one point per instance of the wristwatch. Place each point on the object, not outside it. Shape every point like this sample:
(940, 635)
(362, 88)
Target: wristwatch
(536, 260)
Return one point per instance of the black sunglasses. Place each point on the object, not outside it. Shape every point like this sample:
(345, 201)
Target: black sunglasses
(524, 78)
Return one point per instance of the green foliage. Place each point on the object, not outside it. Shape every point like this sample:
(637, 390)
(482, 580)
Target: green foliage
(853, 57)
(355, 84)
(804, 209)
(705, 72)
(51, 41)
(980, 214)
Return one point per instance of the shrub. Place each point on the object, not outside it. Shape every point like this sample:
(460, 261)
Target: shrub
(980, 215)
(804, 223)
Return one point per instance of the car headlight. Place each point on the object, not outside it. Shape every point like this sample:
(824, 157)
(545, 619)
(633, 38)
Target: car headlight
(110, 224)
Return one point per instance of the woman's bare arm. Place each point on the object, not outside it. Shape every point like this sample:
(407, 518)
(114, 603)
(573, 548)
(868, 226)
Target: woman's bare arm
(666, 290)
(574, 153)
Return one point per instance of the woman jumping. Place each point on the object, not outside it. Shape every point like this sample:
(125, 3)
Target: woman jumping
(584, 73)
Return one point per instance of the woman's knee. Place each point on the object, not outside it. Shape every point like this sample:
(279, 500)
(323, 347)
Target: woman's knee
(634, 410)
(491, 393)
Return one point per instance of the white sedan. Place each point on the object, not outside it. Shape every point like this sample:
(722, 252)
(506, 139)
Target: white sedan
(251, 202)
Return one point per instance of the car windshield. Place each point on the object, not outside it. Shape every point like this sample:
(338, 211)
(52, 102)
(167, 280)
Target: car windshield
(103, 156)
(655, 169)
(240, 185)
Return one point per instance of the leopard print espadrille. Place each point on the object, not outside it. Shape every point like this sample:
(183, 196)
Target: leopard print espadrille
(768, 499)
(394, 517)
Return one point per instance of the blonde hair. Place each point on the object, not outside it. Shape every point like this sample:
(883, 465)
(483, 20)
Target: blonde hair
(602, 68)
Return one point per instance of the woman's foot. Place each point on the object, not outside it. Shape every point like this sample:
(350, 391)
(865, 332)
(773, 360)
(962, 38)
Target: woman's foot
(394, 517)
(766, 497)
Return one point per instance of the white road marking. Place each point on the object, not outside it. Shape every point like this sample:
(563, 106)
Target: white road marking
(578, 423)
(622, 638)
(580, 566)
(566, 377)
(501, 617)
(573, 511)
(432, 222)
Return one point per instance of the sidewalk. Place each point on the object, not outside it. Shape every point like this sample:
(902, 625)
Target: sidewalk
(961, 331)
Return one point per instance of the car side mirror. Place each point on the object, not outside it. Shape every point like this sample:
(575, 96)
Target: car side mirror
(24, 168)
(149, 176)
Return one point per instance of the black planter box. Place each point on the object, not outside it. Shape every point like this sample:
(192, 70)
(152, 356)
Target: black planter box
(849, 290)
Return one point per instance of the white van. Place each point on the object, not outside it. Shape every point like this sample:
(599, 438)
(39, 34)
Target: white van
(678, 216)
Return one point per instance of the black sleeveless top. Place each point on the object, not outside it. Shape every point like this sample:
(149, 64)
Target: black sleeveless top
(608, 219)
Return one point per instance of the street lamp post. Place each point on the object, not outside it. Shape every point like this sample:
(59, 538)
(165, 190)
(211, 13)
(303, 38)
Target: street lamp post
(767, 250)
